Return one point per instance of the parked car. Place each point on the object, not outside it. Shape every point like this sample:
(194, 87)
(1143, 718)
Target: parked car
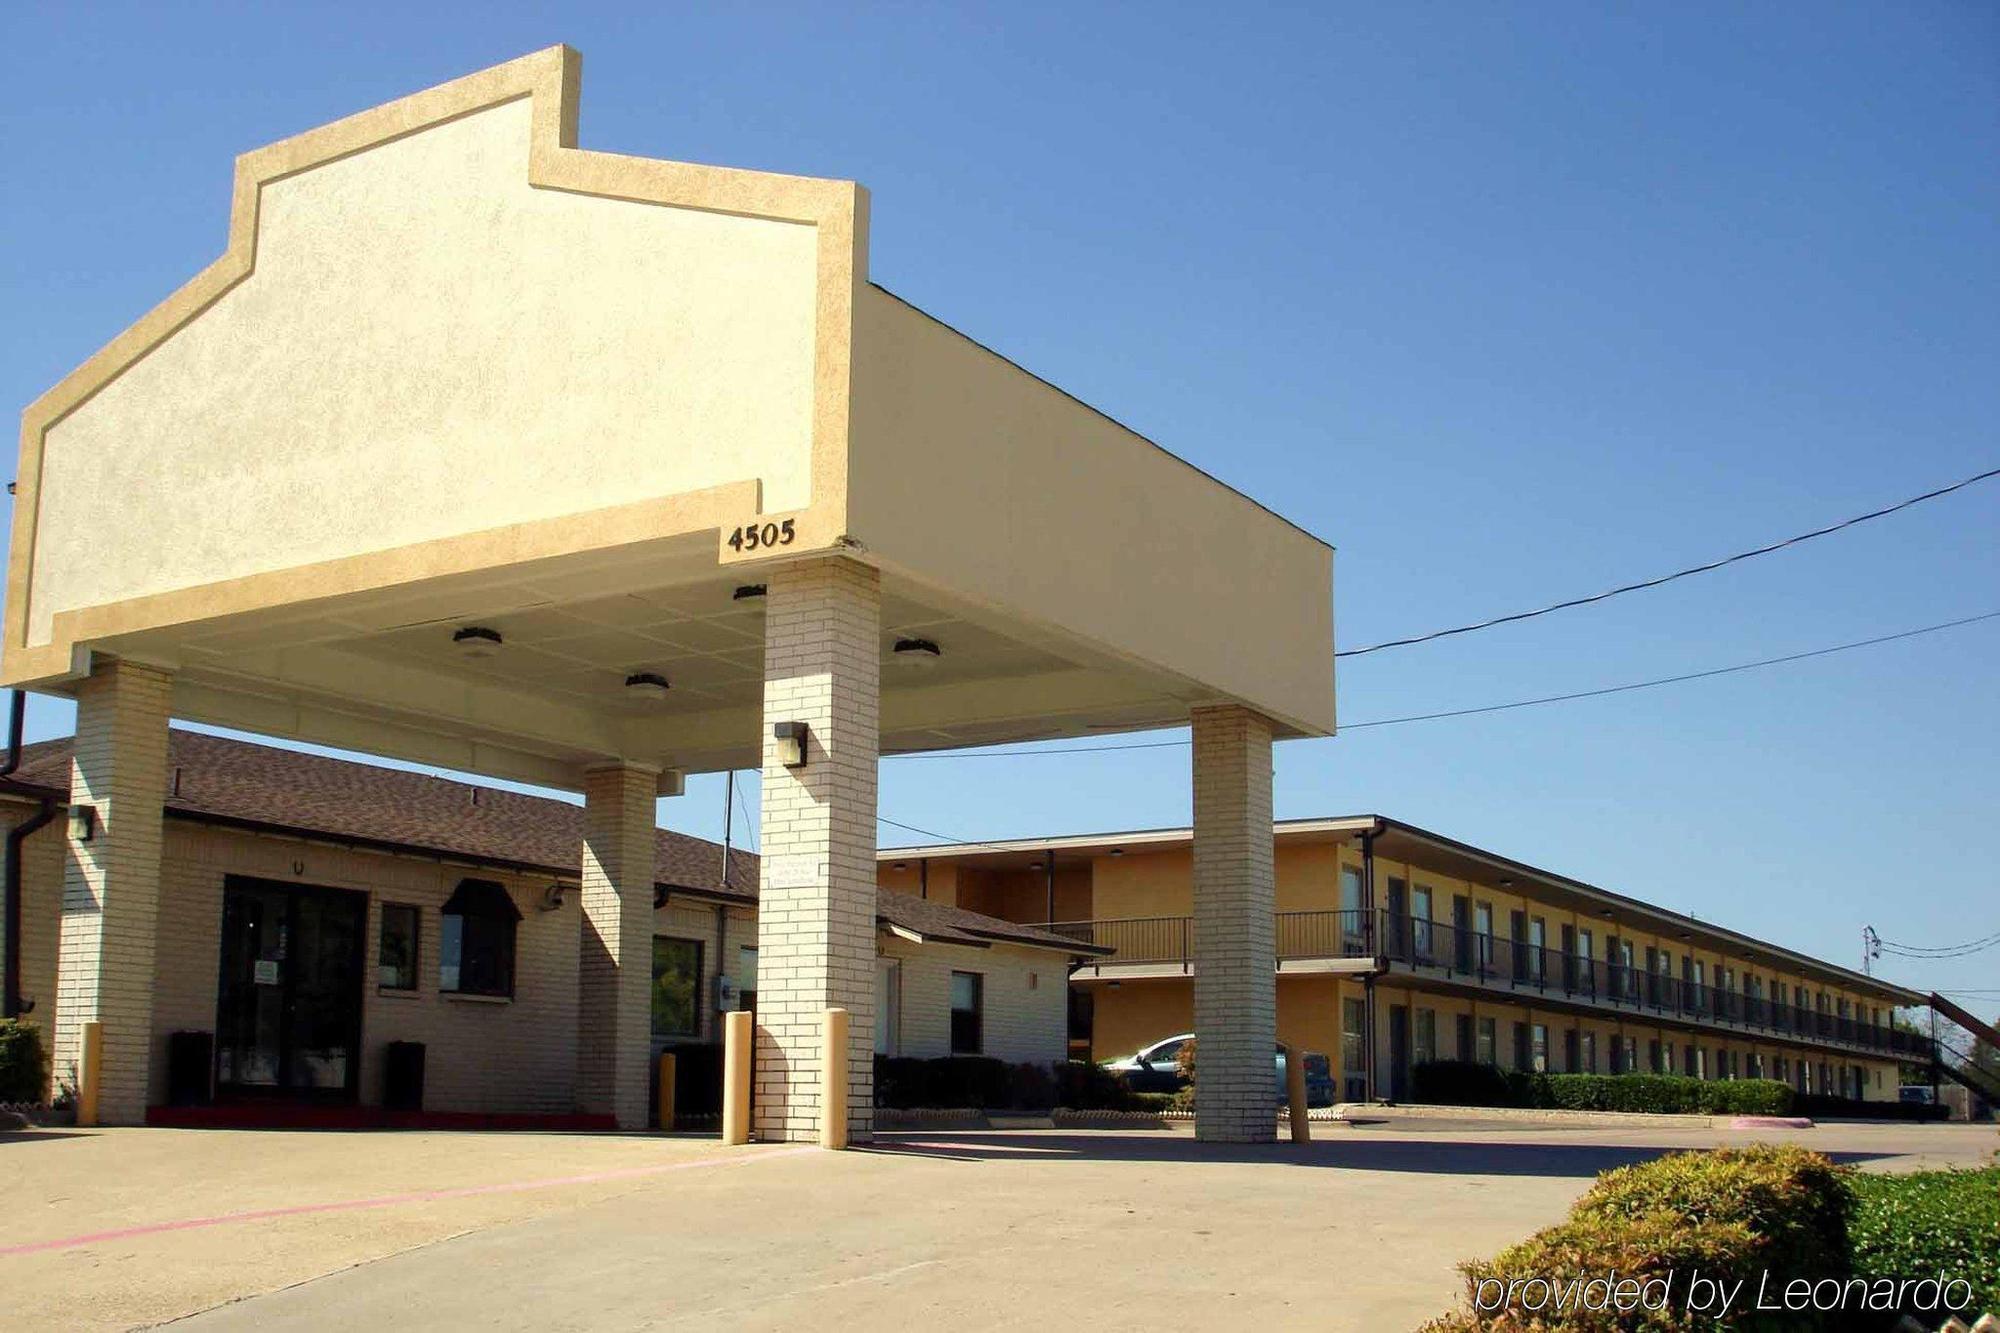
(1156, 1068)
(1919, 1093)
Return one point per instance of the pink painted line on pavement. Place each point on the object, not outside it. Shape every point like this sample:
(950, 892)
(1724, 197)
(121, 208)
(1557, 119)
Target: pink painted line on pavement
(393, 1200)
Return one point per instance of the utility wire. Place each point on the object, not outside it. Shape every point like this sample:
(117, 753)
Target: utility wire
(1494, 708)
(1677, 574)
(1940, 954)
(945, 837)
(1675, 680)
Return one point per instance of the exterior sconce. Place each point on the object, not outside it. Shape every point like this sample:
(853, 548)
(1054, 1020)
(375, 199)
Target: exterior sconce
(82, 823)
(552, 898)
(792, 738)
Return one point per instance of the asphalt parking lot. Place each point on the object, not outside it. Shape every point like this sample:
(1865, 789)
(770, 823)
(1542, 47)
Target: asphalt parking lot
(1005, 1229)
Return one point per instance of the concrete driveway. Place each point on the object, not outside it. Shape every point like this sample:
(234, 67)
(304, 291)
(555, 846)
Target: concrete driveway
(1000, 1230)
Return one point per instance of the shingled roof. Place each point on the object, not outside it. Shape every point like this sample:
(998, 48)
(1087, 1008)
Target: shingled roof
(221, 780)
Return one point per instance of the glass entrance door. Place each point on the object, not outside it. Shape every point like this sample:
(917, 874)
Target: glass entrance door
(288, 1007)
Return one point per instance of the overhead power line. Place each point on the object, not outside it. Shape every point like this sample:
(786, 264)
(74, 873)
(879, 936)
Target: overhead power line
(1497, 708)
(1677, 574)
(1941, 951)
(1675, 680)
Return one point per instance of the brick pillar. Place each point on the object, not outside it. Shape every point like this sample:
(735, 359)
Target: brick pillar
(816, 908)
(1235, 983)
(614, 1018)
(111, 884)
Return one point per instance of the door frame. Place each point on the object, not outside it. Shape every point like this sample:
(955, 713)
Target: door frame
(293, 894)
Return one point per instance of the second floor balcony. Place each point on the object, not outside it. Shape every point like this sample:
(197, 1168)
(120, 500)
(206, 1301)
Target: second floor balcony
(1435, 949)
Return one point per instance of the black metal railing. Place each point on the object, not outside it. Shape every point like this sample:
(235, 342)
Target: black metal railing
(1502, 962)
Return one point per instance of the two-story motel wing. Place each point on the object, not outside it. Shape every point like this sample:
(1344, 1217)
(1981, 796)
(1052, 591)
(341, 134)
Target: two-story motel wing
(1396, 945)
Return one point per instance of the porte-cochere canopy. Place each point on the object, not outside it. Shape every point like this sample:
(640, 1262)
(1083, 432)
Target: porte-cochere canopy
(453, 373)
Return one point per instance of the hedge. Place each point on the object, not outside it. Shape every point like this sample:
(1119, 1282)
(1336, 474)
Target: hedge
(24, 1066)
(982, 1082)
(1822, 1107)
(1727, 1215)
(1463, 1083)
(1931, 1223)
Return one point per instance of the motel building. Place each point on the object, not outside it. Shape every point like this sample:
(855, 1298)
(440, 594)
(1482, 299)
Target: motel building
(480, 450)
(1393, 946)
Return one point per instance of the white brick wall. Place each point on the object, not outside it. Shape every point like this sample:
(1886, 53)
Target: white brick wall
(816, 925)
(1026, 1000)
(1235, 992)
(111, 884)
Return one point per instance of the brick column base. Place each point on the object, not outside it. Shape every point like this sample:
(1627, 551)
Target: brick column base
(816, 908)
(614, 1018)
(1235, 982)
(111, 884)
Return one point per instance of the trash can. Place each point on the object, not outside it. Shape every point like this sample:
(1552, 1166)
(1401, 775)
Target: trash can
(190, 1068)
(403, 1076)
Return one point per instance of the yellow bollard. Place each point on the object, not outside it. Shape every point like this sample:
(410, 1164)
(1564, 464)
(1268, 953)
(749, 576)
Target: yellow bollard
(666, 1087)
(833, 1081)
(90, 1067)
(736, 1061)
(1295, 1093)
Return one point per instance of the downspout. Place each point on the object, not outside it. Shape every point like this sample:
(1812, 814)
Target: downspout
(1368, 979)
(1050, 918)
(10, 982)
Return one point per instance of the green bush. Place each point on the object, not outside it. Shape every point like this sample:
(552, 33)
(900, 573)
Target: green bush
(1727, 1215)
(1928, 1224)
(984, 1083)
(24, 1065)
(1462, 1083)
(1822, 1107)
(1083, 1086)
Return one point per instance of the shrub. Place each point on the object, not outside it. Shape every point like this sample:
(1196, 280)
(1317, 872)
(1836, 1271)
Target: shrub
(1728, 1215)
(24, 1065)
(1822, 1107)
(981, 1082)
(1461, 1083)
(1083, 1086)
(954, 1081)
(1930, 1224)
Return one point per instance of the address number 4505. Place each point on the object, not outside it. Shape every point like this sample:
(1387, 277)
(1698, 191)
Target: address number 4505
(751, 536)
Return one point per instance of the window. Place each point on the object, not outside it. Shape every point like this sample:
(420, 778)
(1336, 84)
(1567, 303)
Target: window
(1631, 1054)
(1352, 917)
(888, 1005)
(968, 1013)
(1538, 940)
(1427, 1035)
(396, 955)
(1587, 1059)
(1487, 1052)
(476, 940)
(1352, 1039)
(1538, 1048)
(1420, 920)
(746, 977)
(1482, 926)
(676, 987)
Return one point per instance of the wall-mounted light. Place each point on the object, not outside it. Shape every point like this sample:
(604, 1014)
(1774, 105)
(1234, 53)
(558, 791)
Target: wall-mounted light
(792, 739)
(1118, 851)
(650, 684)
(552, 898)
(82, 823)
(476, 641)
(918, 652)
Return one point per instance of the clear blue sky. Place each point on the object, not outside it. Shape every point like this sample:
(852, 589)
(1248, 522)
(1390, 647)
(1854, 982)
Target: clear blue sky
(1510, 302)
